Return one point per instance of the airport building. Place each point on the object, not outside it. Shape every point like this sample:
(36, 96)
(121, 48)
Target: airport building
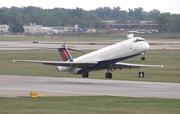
(142, 25)
(33, 28)
(108, 26)
(39, 29)
(4, 28)
(62, 30)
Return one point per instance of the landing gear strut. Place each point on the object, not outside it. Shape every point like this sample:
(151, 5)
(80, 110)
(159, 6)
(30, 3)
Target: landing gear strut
(85, 74)
(142, 56)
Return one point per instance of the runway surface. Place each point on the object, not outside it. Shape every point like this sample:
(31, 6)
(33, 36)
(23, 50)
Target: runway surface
(15, 86)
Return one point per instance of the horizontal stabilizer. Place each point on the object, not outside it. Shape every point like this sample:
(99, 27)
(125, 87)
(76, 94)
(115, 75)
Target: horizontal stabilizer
(73, 49)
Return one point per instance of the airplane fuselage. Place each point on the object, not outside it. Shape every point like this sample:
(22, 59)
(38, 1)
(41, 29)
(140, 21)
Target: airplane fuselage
(110, 55)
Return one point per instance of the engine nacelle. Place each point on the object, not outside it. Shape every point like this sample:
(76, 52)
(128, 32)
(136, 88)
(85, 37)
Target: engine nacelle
(62, 68)
(69, 69)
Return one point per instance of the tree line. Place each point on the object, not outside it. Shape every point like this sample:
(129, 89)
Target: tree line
(167, 22)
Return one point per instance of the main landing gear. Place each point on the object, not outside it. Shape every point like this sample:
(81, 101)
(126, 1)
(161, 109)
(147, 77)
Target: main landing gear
(85, 74)
(108, 75)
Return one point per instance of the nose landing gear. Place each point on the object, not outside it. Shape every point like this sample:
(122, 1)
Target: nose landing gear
(142, 56)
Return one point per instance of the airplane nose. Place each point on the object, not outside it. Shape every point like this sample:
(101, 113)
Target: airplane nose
(146, 47)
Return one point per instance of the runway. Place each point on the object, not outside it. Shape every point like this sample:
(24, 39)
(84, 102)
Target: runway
(10, 45)
(16, 86)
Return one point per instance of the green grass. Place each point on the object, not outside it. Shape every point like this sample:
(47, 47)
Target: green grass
(169, 58)
(89, 105)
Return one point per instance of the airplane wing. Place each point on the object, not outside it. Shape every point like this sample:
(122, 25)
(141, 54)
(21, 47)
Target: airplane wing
(60, 63)
(128, 65)
(86, 64)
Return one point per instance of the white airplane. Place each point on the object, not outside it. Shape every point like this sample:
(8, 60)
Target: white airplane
(109, 58)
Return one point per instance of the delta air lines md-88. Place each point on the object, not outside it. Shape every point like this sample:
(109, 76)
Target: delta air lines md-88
(109, 58)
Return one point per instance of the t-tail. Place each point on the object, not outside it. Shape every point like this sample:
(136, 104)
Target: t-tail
(65, 55)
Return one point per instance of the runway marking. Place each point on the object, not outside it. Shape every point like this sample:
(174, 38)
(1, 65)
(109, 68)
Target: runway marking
(14, 82)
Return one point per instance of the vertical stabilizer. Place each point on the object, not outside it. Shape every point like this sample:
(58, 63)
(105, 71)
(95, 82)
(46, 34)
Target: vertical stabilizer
(129, 36)
(65, 55)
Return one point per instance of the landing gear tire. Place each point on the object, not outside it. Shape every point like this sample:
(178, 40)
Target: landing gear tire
(142, 58)
(85, 74)
(108, 75)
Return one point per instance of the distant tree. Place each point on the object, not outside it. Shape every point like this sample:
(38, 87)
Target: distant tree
(178, 25)
(115, 12)
(167, 22)
(105, 13)
(154, 15)
(123, 17)
(162, 22)
(137, 14)
(78, 12)
(16, 28)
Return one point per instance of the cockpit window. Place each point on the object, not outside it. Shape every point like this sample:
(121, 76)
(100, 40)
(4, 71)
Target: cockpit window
(139, 40)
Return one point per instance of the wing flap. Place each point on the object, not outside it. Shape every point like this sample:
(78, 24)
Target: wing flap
(60, 63)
